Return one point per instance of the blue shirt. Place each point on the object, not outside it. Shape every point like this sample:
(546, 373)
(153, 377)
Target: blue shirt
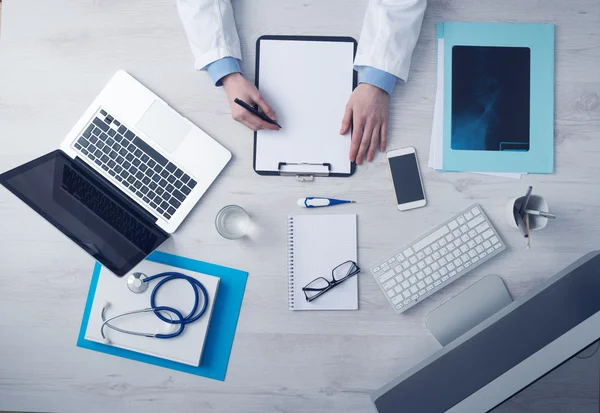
(366, 74)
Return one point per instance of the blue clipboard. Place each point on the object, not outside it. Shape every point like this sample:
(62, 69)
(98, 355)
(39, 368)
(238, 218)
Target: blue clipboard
(539, 40)
(221, 330)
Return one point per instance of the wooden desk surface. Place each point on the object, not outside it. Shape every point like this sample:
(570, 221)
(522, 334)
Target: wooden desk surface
(55, 56)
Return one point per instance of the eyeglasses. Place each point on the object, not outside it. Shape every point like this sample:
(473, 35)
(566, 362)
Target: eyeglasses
(321, 285)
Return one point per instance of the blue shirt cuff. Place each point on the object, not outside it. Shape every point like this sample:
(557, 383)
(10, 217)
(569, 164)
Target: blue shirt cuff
(221, 68)
(379, 78)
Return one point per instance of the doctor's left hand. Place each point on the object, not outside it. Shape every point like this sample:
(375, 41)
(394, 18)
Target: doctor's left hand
(367, 110)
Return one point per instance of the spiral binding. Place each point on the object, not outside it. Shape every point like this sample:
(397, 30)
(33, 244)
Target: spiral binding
(290, 246)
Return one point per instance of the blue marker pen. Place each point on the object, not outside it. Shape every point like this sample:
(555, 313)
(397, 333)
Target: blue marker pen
(316, 202)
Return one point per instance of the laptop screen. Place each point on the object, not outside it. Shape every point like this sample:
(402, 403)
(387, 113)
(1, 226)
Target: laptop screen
(87, 209)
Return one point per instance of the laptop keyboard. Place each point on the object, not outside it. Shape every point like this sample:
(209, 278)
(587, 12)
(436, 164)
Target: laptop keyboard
(144, 173)
(108, 210)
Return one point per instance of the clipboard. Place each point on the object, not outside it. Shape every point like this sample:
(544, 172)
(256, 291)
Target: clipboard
(308, 81)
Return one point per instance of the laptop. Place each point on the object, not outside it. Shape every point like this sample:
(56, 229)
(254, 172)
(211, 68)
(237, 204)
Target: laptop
(124, 178)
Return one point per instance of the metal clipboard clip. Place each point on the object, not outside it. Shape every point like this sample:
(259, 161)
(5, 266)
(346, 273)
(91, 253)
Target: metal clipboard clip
(304, 172)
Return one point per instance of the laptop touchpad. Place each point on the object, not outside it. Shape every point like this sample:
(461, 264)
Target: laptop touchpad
(165, 126)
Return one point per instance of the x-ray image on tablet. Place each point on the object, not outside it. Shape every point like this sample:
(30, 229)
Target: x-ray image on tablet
(490, 98)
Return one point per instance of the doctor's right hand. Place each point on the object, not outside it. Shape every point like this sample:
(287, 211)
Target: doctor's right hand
(236, 86)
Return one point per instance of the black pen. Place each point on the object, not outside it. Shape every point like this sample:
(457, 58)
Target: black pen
(255, 112)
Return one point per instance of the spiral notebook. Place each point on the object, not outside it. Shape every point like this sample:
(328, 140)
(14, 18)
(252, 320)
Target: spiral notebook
(316, 245)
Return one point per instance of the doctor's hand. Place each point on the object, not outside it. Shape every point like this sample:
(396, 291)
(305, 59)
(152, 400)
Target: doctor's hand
(367, 110)
(236, 86)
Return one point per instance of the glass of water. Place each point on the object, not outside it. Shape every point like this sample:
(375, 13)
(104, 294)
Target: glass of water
(232, 222)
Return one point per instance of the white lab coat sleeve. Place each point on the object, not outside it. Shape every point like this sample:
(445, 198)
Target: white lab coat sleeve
(210, 29)
(390, 32)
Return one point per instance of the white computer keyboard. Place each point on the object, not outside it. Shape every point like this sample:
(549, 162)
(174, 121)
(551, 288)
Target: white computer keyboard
(433, 261)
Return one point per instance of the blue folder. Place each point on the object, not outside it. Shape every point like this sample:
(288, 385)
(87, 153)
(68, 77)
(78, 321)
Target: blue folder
(221, 330)
(509, 155)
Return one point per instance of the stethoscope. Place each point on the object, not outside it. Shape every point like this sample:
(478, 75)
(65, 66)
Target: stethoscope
(138, 283)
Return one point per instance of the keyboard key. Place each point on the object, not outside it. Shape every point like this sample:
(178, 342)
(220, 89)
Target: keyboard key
(389, 284)
(129, 157)
(174, 202)
(490, 250)
(429, 287)
(421, 292)
(164, 173)
(144, 157)
(391, 293)
(449, 237)
(414, 289)
(468, 216)
(398, 300)
(475, 211)
(472, 233)
(461, 220)
(146, 180)
(146, 199)
(149, 173)
(171, 167)
(78, 146)
(479, 239)
(464, 229)
(104, 158)
(421, 284)
(482, 227)
(493, 240)
(143, 167)
(152, 185)
(428, 280)
(136, 162)
(452, 225)
(436, 255)
(151, 163)
(412, 260)
(386, 276)
(414, 297)
(153, 205)
(444, 278)
(103, 126)
(406, 284)
(139, 194)
(437, 283)
(192, 184)
(471, 244)
(126, 165)
(497, 246)
(157, 168)
(178, 173)
(405, 293)
(123, 152)
(488, 234)
(159, 190)
(420, 275)
(472, 253)
(85, 151)
(169, 188)
(179, 195)
(137, 184)
(472, 224)
(421, 265)
(171, 178)
(131, 179)
(178, 184)
(138, 153)
(139, 175)
(145, 191)
(164, 205)
(185, 178)
(111, 164)
(412, 279)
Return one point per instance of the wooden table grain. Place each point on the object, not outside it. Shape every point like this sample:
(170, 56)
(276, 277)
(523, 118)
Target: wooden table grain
(55, 56)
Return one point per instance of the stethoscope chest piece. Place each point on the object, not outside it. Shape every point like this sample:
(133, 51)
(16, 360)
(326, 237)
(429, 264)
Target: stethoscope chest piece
(135, 282)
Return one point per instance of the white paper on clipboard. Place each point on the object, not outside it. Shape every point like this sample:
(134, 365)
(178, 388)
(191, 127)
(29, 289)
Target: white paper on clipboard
(308, 84)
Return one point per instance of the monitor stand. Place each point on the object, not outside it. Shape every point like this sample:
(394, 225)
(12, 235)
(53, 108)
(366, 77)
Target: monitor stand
(467, 309)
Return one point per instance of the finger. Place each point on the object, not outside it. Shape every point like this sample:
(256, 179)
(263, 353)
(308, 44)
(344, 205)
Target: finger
(375, 136)
(258, 123)
(383, 141)
(357, 131)
(262, 103)
(247, 124)
(346, 120)
(364, 143)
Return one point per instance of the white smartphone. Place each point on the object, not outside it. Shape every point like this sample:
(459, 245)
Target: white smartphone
(406, 178)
